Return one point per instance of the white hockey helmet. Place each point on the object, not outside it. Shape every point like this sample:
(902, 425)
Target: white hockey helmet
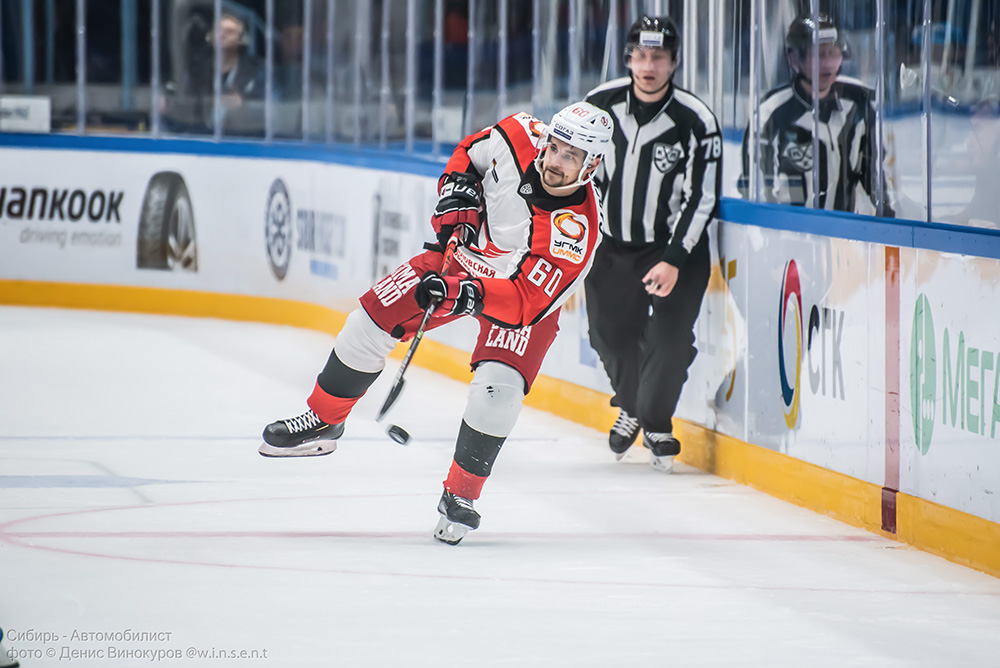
(584, 126)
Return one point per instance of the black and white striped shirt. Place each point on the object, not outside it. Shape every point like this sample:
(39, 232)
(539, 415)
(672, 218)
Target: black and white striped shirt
(663, 180)
(846, 148)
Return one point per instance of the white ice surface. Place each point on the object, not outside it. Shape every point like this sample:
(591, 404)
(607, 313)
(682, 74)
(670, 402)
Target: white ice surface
(132, 497)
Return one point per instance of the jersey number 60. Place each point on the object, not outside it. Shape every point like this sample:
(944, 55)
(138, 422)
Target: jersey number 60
(541, 272)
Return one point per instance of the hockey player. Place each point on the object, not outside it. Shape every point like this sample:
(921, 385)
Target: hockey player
(846, 129)
(521, 197)
(662, 185)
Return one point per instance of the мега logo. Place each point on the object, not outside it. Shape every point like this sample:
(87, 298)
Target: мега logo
(923, 374)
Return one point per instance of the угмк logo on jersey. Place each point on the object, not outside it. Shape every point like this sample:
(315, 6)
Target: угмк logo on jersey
(569, 235)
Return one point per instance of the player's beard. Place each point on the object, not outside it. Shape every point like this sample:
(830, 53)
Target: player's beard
(555, 178)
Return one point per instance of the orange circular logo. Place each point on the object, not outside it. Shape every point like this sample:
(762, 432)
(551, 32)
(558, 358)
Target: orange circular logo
(570, 226)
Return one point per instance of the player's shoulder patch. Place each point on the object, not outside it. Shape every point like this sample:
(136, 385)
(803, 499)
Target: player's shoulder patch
(569, 235)
(522, 133)
(530, 125)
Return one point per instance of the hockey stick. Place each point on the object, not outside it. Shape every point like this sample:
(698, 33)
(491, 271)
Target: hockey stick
(396, 432)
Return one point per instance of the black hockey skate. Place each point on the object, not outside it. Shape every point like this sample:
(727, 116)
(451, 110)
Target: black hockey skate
(623, 433)
(458, 517)
(662, 450)
(302, 436)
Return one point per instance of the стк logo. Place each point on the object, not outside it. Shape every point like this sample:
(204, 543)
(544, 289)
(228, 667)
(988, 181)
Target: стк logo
(791, 292)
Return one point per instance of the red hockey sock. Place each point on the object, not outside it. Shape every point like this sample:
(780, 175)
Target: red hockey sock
(462, 483)
(330, 409)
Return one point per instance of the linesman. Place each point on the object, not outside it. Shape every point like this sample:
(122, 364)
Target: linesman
(846, 134)
(661, 184)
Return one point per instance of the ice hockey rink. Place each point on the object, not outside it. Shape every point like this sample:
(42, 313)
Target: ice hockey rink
(139, 526)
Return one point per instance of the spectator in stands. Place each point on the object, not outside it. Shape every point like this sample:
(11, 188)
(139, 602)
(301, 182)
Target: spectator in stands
(189, 103)
(242, 80)
(288, 79)
(288, 70)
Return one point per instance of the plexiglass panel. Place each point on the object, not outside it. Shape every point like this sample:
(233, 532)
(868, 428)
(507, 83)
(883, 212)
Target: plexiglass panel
(776, 165)
(734, 111)
(117, 95)
(904, 108)
(344, 114)
(186, 102)
(814, 137)
(552, 68)
(38, 46)
(289, 71)
(862, 157)
(963, 111)
(519, 58)
(911, 127)
(316, 85)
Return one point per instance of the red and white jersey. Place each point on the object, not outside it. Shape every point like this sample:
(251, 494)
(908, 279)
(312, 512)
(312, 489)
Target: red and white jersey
(533, 250)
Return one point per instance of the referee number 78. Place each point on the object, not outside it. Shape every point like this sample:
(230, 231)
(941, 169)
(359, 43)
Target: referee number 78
(713, 147)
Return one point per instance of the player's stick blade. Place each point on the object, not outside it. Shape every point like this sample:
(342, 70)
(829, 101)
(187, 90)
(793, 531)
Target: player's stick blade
(390, 399)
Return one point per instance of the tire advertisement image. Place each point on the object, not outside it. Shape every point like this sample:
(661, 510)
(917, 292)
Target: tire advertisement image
(166, 237)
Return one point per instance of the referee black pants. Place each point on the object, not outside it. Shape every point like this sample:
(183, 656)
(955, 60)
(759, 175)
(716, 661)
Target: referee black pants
(646, 343)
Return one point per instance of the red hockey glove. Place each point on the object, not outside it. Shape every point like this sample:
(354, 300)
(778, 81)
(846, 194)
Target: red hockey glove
(458, 295)
(461, 198)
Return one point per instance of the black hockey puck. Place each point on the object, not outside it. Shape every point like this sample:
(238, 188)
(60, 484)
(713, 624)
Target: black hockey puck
(398, 434)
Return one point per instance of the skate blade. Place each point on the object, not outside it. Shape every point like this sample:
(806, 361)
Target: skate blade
(619, 455)
(662, 464)
(311, 449)
(450, 532)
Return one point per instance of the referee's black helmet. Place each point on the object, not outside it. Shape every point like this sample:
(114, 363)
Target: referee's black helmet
(800, 34)
(653, 32)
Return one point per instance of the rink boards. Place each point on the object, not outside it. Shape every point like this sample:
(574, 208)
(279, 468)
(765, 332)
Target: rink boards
(851, 368)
